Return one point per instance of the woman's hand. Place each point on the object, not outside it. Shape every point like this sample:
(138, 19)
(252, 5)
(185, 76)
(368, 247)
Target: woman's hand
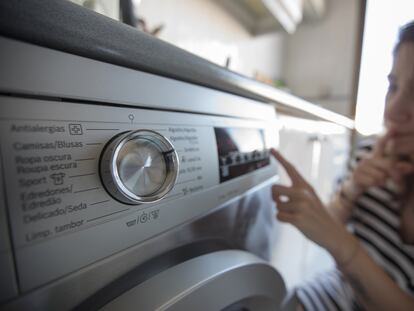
(300, 206)
(377, 168)
(401, 141)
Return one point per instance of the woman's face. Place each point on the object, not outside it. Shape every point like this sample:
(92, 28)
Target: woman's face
(399, 108)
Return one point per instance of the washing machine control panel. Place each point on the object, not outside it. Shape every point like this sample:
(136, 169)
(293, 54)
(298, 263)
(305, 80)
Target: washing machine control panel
(83, 182)
(139, 167)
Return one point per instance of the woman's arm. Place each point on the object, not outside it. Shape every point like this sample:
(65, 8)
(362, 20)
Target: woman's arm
(373, 288)
(300, 206)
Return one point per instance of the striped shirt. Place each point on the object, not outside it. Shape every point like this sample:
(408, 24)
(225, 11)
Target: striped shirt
(375, 222)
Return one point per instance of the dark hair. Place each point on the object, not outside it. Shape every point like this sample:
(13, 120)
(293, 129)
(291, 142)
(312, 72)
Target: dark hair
(405, 34)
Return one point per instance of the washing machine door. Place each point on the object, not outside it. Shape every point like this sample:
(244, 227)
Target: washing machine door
(227, 280)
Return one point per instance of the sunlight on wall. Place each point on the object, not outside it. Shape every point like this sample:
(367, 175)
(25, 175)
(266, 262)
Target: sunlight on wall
(383, 18)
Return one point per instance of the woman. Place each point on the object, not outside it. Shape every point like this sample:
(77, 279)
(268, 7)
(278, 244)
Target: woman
(376, 261)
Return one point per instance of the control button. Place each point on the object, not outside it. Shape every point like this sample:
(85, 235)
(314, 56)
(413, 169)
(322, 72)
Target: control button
(139, 167)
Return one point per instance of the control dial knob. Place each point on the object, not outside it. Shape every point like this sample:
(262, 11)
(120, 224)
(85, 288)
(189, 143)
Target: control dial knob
(139, 167)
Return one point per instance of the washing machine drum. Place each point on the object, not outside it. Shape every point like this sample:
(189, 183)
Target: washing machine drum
(226, 280)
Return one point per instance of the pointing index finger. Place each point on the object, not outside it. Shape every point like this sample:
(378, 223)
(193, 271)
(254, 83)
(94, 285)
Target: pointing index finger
(294, 175)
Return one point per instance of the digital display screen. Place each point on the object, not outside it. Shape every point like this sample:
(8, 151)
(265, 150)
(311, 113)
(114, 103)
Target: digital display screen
(240, 151)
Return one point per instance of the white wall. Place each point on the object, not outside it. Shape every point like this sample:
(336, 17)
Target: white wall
(204, 28)
(109, 8)
(320, 57)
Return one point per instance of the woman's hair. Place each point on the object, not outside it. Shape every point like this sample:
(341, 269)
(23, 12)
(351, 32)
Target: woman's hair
(406, 34)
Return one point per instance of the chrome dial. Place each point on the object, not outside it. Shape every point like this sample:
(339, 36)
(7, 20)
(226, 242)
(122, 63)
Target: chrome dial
(139, 167)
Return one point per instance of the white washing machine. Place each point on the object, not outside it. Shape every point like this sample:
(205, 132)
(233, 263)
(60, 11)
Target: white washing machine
(134, 176)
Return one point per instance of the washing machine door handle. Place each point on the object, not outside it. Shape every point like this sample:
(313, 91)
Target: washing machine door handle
(223, 280)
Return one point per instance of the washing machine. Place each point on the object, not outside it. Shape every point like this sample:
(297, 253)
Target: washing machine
(134, 175)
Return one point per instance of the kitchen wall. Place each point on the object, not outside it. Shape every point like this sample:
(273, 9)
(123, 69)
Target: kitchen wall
(109, 8)
(204, 28)
(320, 57)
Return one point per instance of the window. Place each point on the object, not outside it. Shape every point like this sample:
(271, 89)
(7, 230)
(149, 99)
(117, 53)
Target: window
(382, 21)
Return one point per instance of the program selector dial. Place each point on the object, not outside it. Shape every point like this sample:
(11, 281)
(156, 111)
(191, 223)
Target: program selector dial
(139, 167)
